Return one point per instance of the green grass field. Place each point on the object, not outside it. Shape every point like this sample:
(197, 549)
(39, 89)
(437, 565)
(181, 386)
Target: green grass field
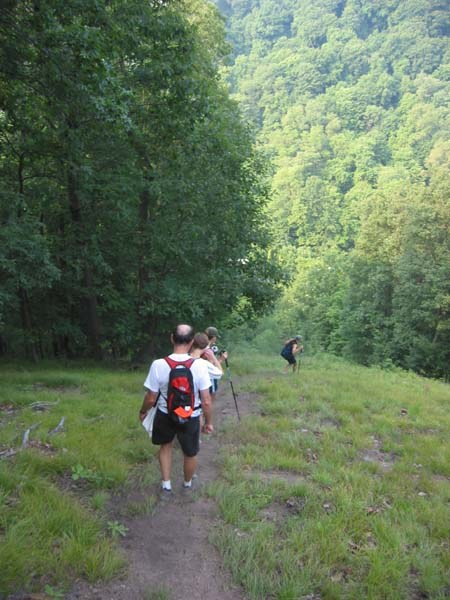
(336, 487)
(339, 488)
(54, 493)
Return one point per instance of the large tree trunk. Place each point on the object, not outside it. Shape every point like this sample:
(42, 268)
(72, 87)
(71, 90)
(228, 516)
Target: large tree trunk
(27, 323)
(24, 302)
(90, 299)
(143, 219)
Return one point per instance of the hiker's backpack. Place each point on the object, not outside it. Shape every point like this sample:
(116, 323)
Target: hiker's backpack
(286, 350)
(180, 390)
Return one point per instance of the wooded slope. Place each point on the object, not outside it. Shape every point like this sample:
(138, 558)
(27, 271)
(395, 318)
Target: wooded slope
(351, 101)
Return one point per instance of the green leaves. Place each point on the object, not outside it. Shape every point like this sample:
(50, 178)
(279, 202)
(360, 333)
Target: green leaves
(348, 100)
(136, 191)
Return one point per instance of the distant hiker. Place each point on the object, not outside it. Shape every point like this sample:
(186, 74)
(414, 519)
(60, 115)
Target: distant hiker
(198, 348)
(211, 354)
(215, 370)
(290, 348)
(173, 418)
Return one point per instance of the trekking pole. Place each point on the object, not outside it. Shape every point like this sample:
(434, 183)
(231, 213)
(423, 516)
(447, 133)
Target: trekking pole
(232, 389)
(298, 361)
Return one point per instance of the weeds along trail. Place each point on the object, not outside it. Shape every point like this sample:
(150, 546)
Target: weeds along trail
(168, 552)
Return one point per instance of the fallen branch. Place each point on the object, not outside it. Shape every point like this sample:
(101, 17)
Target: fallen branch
(43, 405)
(7, 453)
(58, 428)
(26, 435)
(93, 419)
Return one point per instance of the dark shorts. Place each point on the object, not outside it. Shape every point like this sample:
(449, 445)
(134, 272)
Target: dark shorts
(188, 434)
(214, 386)
(290, 358)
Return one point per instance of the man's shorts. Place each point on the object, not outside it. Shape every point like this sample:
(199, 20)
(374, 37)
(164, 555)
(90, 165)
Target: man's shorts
(214, 386)
(291, 359)
(188, 434)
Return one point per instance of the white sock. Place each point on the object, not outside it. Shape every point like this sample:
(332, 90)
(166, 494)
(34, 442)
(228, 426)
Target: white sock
(187, 484)
(166, 485)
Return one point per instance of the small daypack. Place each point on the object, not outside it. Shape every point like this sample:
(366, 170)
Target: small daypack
(286, 350)
(180, 390)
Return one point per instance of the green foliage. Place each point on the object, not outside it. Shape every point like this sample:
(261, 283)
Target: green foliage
(350, 100)
(90, 475)
(50, 532)
(117, 529)
(54, 593)
(131, 191)
(336, 489)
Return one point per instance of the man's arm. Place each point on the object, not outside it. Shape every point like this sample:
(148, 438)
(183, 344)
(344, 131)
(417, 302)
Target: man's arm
(150, 399)
(223, 356)
(207, 410)
(208, 355)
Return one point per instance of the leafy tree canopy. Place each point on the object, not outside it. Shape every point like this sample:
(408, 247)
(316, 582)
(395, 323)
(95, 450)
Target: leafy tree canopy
(350, 100)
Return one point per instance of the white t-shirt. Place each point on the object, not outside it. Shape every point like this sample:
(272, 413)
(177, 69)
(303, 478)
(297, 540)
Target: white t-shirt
(158, 380)
(214, 372)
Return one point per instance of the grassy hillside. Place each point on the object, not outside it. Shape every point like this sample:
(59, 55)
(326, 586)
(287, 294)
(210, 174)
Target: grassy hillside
(339, 487)
(335, 486)
(55, 493)
(349, 99)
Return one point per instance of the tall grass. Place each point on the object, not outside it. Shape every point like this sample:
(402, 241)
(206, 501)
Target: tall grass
(336, 486)
(340, 487)
(55, 492)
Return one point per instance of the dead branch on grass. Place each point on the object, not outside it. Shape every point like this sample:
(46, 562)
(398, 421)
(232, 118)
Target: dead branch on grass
(43, 405)
(26, 435)
(58, 428)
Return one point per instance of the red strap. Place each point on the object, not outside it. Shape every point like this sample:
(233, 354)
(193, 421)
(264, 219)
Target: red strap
(174, 363)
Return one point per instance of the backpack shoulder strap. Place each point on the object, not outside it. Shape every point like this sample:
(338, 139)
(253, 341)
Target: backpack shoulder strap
(172, 363)
(175, 363)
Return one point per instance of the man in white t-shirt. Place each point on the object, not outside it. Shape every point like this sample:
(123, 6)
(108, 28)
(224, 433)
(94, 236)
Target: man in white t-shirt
(164, 428)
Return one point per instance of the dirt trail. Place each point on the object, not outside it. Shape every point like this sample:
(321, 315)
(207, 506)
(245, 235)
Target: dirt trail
(169, 551)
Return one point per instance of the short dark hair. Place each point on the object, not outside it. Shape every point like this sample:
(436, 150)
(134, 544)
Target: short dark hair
(183, 334)
(200, 341)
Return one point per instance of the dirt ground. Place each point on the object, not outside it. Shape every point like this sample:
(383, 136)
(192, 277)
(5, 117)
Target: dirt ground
(169, 553)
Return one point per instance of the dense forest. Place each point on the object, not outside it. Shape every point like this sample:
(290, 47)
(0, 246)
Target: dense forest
(131, 195)
(152, 169)
(350, 100)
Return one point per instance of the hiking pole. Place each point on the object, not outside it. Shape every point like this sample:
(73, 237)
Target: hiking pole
(232, 389)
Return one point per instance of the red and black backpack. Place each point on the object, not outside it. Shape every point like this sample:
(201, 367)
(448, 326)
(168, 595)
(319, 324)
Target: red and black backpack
(180, 390)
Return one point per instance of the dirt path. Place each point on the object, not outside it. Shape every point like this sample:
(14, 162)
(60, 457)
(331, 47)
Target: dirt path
(169, 554)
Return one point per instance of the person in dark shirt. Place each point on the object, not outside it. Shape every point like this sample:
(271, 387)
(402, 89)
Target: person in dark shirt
(290, 348)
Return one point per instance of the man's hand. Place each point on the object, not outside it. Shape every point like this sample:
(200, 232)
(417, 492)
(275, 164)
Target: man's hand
(208, 428)
(150, 399)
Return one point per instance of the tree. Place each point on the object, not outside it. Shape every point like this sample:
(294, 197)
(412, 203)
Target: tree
(128, 167)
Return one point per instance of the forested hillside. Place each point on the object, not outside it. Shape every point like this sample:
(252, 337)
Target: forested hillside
(130, 192)
(350, 99)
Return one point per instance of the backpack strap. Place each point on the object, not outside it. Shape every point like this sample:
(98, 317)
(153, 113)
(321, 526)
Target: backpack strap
(175, 363)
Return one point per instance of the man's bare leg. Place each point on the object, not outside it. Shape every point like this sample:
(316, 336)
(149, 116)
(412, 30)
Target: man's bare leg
(189, 467)
(165, 460)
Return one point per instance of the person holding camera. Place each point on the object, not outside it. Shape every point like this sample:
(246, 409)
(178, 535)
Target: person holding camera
(199, 346)
(211, 353)
(290, 348)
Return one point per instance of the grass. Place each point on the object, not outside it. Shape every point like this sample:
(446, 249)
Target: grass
(336, 488)
(340, 487)
(55, 494)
